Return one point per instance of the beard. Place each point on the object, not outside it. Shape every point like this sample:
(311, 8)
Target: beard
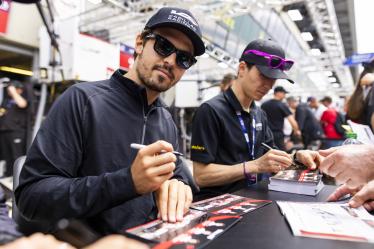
(159, 84)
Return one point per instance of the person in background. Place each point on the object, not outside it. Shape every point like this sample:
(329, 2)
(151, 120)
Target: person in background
(276, 112)
(13, 124)
(317, 108)
(227, 81)
(81, 165)
(308, 124)
(328, 119)
(360, 105)
(229, 129)
(353, 167)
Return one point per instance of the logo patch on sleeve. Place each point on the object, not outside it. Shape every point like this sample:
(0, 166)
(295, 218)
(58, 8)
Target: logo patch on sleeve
(198, 147)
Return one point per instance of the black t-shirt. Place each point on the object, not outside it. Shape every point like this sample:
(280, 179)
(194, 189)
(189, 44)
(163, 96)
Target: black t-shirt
(14, 118)
(217, 136)
(308, 123)
(276, 111)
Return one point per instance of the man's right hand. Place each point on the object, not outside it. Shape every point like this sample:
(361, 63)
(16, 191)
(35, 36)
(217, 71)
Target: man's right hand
(272, 162)
(153, 165)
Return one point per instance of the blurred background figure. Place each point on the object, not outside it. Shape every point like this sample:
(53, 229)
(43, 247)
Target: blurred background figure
(310, 127)
(360, 105)
(13, 123)
(317, 108)
(328, 119)
(276, 112)
(227, 81)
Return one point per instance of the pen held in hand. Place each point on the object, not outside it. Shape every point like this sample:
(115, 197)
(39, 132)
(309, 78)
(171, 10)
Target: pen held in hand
(141, 146)
(266, 146)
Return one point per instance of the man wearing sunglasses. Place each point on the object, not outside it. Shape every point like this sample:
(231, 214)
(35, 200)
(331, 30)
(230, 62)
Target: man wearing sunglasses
(81, 164)
(231, 137)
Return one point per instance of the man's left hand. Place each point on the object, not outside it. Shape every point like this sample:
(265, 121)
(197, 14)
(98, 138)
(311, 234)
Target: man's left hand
(311, 159)
(173, 200)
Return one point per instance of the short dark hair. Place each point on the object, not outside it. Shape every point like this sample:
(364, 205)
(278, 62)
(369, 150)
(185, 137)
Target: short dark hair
(249, 65)
(143, 34)
(327, 99)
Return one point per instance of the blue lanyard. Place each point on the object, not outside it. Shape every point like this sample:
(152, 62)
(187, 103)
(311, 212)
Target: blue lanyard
(251, 146)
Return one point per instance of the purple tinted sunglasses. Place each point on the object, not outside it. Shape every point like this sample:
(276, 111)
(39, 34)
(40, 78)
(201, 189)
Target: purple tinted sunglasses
(274, 61)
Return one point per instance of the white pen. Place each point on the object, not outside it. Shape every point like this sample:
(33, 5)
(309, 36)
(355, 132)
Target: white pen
(266, 146)
(141, 146)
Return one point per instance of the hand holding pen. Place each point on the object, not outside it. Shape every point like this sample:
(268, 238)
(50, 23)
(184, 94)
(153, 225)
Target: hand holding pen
(151, 171)
(273, 161)
(309, 159)
(152, 166)
(141, 146)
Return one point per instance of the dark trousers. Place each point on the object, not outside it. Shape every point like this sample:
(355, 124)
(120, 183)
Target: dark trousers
(12, 146)
(279, 140)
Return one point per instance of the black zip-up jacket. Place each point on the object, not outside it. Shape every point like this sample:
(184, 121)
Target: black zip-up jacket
(79, 163)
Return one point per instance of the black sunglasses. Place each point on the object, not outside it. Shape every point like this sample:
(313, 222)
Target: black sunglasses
(165, 48)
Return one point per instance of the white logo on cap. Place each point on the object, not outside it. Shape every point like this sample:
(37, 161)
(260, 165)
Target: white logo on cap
(182, 14)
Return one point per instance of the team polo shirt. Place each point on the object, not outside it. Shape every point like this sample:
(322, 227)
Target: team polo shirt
(217, 136)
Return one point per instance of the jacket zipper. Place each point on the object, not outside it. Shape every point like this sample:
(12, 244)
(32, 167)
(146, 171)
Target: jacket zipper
(145, 118)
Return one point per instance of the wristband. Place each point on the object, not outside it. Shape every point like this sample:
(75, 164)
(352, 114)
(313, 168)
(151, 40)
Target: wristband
(250, 178)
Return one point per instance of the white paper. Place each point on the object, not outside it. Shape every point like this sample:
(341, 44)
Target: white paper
(329, 221)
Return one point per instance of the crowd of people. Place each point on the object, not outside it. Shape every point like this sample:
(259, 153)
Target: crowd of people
(81, 166)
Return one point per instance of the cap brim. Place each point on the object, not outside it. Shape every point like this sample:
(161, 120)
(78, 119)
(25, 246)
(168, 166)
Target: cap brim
(273, 73)
(197, 42)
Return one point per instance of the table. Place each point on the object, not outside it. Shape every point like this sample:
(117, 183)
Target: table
(267, 228)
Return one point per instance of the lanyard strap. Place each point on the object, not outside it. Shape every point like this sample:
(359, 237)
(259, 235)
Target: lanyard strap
(251, 145)
(250, 178)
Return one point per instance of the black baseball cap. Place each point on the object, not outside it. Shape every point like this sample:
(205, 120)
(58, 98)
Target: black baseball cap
(280, 89)
(270, 47)
(181, 20)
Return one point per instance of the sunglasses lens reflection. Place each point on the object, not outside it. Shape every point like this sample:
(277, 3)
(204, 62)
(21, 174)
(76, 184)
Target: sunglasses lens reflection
(165, 48)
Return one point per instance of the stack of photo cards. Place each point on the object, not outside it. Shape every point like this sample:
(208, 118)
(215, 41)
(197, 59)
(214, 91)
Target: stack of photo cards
(305, 182)
(205, 221)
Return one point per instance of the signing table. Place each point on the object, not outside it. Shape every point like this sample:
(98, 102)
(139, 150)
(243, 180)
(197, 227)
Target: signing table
(267, 228)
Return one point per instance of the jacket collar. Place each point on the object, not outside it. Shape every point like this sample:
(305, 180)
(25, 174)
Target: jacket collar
(134, 89)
